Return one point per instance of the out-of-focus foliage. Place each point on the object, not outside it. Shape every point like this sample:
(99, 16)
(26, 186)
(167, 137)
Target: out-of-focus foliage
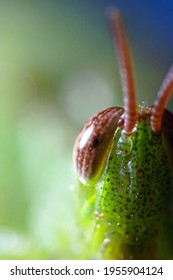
(57, 68)
(44, 52)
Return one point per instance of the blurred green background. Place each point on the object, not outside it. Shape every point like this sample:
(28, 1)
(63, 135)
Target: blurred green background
(58, 68)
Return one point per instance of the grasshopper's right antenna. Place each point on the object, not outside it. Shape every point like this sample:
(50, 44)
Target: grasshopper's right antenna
(160, 103)
(126, 72)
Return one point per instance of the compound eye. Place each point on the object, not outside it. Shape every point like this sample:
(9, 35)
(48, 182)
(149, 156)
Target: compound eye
(93, 143)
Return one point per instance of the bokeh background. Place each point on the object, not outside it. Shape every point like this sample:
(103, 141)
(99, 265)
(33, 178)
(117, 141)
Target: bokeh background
(58, 68)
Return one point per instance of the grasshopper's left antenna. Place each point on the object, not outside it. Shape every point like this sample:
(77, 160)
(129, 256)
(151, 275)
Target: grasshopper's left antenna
(127, 79)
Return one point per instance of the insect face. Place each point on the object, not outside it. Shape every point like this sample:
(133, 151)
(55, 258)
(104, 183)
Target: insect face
(124, 158)
(135, 186)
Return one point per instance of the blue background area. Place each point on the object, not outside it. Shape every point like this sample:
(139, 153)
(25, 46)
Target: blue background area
(149, 26)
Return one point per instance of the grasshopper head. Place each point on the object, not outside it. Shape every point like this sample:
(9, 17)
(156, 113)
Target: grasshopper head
(127, 154)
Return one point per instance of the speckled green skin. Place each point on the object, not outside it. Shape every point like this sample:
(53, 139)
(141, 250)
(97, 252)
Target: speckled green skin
(134, 190)
(127, 211)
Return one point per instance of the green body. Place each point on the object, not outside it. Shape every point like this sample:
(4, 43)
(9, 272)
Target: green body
(127, 214)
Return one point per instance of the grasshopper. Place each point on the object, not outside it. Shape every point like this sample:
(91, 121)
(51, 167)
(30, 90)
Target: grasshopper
(124, 161)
